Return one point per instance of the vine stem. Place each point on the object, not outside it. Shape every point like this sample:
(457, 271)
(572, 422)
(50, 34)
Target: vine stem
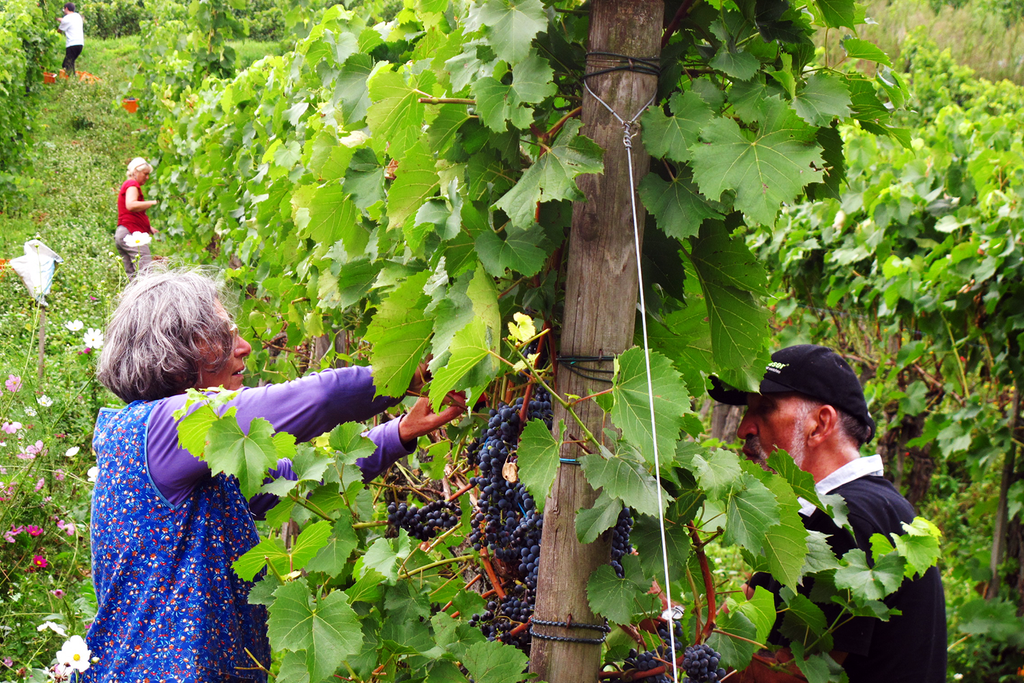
(458, 494)
(446, 100)
(367, 525)
(745, 640)
(709, 581)
(439, 563)
(490, 573)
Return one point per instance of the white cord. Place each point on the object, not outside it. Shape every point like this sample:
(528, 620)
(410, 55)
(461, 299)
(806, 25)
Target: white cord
(629, 131)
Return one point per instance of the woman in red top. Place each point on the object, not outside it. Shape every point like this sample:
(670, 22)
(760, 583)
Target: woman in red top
(133, 229)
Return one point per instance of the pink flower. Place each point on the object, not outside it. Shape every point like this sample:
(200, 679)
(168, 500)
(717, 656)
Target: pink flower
(26, 456)
(57, 593)
(13, 383)
(58, 475)
(8, 662)
(39, 562)
(66, 527)
(35, 448)
(11, 427)
(33, 530)
(40, 484)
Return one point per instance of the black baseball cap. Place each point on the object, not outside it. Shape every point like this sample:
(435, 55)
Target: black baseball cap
(815, 371)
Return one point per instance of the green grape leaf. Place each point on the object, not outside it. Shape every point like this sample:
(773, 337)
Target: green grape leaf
(765, 168)
(677, 205)
(533, 79)
(384, 557)
(333, 557)
(646, 538)
(509, 26)
(717, 471)
(552, 176)
(495, 661)
(416, 181)
(192, 430)
(626, 479)
(760, 609)
(728, 275)
(869, 583)
(672, 137)
(751, 509)
(592, 522)
(400, 334)
(249, 564)
(801, 482)
(823, 98)
(620, 600)
(249, 457)
(497, 104)
(312, 539)
(522, 251)
(396, 117)
(919, 546)
(735, 652)
(803, 619)
(327, 629)
(863, 49)
(538, 458)
(632, 412)
(472, 359)
(836, 13)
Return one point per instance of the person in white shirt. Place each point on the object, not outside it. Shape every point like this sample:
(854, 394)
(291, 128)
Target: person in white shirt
(72, 26)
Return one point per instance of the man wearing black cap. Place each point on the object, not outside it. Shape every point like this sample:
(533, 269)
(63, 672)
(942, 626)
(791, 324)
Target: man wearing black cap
(811, 405)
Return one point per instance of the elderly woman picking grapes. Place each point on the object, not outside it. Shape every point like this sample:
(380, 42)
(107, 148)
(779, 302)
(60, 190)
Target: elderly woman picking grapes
(164, 529)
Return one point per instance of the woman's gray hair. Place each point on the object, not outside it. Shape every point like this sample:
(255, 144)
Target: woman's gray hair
(136, 164)
(167, 327)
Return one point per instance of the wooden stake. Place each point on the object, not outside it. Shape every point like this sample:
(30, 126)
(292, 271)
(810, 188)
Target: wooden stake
(600, 310)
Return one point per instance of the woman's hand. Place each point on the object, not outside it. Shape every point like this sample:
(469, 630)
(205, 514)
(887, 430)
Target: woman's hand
(423, 420)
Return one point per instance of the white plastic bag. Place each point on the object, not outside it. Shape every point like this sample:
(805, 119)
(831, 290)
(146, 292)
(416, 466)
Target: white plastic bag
(36, 268)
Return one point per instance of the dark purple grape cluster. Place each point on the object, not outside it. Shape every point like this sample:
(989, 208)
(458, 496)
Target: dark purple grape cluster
(426, 522)
(645, 661)
(507, 521)
(701, 664)
(620, 540)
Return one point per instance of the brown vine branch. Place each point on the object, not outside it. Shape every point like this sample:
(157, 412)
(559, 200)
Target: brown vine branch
(673, 25)
(498, 588)
(458, 494)
(709, 581)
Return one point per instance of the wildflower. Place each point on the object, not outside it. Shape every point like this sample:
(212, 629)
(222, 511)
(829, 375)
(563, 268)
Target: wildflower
(13, 533)
(33, 530)
(30, 411)
(57, 593)
(45, 401)
(67, 527)
(11, 427)
(72, 452)
(39, 562)
(58, 474)
(75, 654)
(93, 473)
(35, 448)
(138, 239)
(26, 456)
(74, 325)
(94, 338)
(56, 628)
(85, 352)
(13, 383)
(8, 662)
(40, 484)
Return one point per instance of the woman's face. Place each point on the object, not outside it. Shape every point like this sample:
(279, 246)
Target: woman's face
(142, 174)
(231, 375)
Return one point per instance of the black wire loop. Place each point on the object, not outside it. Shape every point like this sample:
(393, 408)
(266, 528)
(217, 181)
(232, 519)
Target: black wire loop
(650, 66)
(604, 628)
(571, 364)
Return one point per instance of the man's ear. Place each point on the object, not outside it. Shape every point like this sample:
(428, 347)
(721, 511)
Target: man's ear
(826, 421)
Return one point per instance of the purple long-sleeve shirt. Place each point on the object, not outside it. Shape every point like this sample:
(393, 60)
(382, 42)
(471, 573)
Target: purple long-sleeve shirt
(305, 408)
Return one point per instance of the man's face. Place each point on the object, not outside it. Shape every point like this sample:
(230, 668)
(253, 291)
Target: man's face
(774, 421)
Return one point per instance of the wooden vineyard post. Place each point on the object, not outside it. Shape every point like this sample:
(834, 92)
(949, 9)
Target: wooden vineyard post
(600, 310)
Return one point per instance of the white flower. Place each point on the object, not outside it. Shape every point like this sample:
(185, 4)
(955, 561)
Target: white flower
(74, 654)
(45, 401)
(72, 452)
(94, 338)
(93, 473)
(56, 628)
(74, 325)
(138, 239)
(30, 411)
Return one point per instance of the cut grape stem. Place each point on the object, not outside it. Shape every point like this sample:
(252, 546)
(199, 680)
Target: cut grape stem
(709, 581)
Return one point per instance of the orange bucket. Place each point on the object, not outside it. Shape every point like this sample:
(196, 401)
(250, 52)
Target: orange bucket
(130, 104)
(63, 74)
(86, 77)
(49, 77)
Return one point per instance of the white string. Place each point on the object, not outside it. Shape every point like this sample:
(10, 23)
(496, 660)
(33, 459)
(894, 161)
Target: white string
(629, 131)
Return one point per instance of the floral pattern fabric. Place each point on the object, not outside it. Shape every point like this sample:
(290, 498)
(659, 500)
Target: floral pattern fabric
(170, 606)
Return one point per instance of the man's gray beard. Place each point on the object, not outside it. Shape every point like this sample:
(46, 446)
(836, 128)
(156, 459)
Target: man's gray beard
(798, 453)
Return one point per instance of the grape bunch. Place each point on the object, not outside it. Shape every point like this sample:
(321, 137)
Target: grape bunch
(701, 664)
(645, 661)
(620, 540)
(426, 522)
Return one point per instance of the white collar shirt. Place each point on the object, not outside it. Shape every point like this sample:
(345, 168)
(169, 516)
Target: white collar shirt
(851, 471)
